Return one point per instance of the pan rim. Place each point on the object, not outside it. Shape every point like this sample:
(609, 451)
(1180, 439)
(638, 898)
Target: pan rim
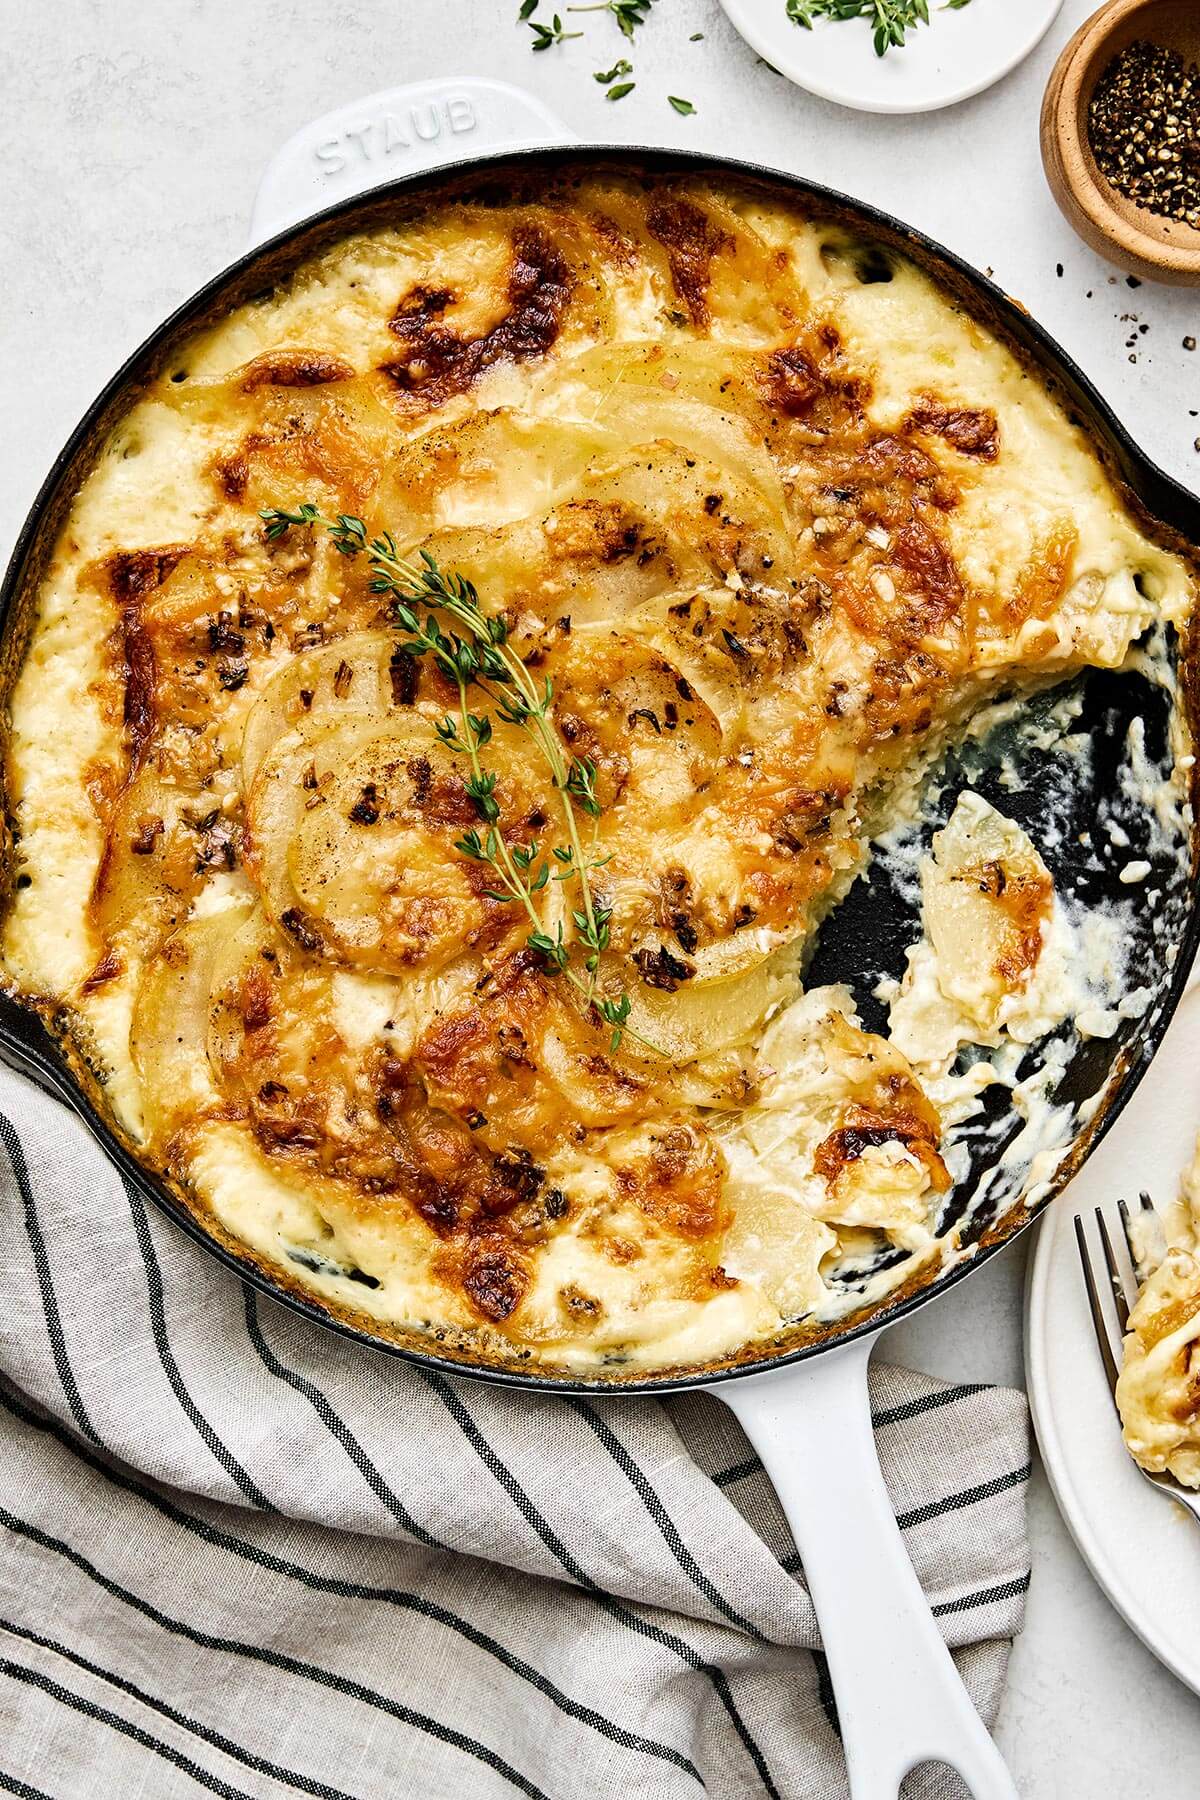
(46, 1060)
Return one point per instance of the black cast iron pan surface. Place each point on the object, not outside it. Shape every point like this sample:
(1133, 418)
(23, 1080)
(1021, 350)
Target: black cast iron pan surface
(869, 932)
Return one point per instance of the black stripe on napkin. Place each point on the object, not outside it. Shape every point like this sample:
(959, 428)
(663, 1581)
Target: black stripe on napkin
(1007, 1590)
(912, 1409)
(158, 1321)
(10, 1785)
(336, 1426)
(259, 1764)
(276, 1659)
(738, 1472)
(825, 1693)
(353, 1590)
(643, 1627)
(652, 1501)
(987, 1490)
(66, 1697)
(58, 1342)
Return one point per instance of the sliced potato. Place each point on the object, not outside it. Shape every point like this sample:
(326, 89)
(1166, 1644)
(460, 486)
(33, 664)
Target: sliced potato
(711, 1013)
(843, 1121)
(627, 387)
(775, 1242)
(169, 1035)
(391, 890)
(352, 676)
(987, 898)
(744, 650)
(487, 468)
(161, 842)
(622, 702)
(272, 1017)
(352, 836)
(328, 880)
(657, 518)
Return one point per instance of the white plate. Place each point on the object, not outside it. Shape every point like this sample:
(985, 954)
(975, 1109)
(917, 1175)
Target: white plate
(1144, 1551)
(956, 55)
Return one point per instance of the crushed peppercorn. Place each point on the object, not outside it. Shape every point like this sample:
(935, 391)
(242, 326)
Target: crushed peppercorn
(1144, 128)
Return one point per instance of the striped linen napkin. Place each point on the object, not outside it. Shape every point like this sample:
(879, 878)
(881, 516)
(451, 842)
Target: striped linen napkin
(241, 1555)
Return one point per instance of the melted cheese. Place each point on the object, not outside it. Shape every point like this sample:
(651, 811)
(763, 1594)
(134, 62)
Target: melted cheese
(773, 531)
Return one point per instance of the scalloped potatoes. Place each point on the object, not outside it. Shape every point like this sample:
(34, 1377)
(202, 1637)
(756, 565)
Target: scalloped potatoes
(771, 532)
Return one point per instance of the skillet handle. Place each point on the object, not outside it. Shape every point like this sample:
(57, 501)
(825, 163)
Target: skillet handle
(402, 130)
(899, 1696)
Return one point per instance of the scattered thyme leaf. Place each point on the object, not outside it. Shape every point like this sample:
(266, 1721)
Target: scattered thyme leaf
(619, 92)
(604, 76)
(681, 106)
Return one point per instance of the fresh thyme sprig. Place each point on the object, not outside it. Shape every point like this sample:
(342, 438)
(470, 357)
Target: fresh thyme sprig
(480, 656)
(544, 36)
(629, 14)
(890, 20)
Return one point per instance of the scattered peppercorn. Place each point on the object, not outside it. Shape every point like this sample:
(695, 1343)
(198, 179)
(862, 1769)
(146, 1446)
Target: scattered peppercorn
(1189, 343)
(1144, 128)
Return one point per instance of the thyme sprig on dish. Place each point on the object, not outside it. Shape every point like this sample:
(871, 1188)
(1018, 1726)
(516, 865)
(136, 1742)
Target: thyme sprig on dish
(478, 656)
(891, 20)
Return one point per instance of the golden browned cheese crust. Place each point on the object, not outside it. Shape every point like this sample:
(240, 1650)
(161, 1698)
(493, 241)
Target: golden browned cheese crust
(767, 523)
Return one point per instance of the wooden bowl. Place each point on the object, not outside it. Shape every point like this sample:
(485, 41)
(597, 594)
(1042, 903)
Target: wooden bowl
(1142, 242)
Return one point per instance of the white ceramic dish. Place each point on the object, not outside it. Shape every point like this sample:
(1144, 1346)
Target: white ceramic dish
(1144, 1551)
(959, 53)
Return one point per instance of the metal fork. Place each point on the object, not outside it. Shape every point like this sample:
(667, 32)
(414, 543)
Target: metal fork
(1123, 1293)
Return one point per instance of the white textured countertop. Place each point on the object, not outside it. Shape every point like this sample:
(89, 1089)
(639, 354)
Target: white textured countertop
(132, 137)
